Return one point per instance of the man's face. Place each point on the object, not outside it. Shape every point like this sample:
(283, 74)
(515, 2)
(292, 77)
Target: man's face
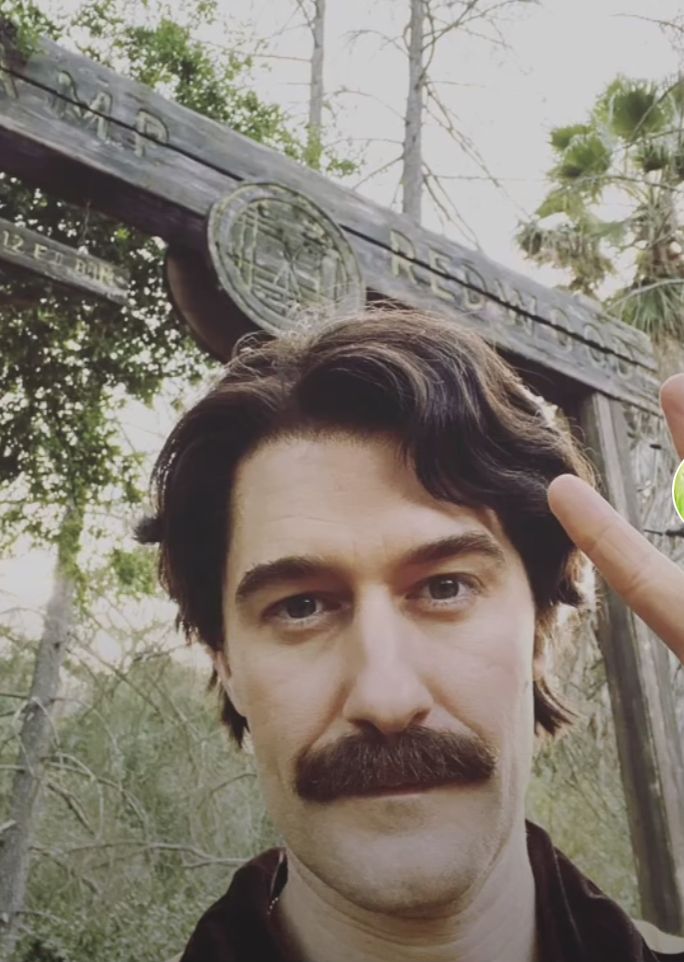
(374, 624)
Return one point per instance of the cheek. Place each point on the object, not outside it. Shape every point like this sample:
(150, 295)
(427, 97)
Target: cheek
(286, 697)
(289, 703)
(486, 677)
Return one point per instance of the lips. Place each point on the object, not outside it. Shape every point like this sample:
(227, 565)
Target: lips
(398, 791)
(402, 790)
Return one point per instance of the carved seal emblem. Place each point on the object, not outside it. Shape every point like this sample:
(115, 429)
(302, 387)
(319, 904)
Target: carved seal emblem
(281, 259)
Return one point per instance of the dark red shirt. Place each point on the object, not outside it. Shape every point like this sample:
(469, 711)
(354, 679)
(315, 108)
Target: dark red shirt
(576, 922)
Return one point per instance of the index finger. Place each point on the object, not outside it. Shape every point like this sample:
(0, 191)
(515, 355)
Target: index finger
(650, 583)
(672, 403)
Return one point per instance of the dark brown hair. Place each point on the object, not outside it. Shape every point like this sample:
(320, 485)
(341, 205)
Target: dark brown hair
(462, 416)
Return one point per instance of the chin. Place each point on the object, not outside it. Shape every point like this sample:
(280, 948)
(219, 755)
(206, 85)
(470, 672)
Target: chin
(417, 879)
(392, 858)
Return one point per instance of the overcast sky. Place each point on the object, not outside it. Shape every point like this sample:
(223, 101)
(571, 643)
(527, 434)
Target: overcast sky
(562, 54)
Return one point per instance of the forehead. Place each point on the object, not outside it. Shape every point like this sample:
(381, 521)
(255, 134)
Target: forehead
(337, 492)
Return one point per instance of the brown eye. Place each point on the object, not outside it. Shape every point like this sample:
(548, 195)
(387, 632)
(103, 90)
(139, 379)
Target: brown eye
(301, 612)
(301, 606)
(441, 589)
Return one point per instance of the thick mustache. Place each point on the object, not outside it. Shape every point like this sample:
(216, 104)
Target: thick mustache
(372, 762)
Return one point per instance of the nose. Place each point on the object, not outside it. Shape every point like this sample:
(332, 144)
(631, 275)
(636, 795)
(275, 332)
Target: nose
(385, 687)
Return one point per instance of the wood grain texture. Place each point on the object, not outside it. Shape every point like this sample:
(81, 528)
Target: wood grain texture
(92, 136)
(214, 320)
(35, 252)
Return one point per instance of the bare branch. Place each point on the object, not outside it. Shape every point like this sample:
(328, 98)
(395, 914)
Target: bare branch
(447, 208)
(378, 170)
(73, 805)
(157, 847)
(362, 93)
(638, 291)
(69, 869)
(307, 17)
(355, 35)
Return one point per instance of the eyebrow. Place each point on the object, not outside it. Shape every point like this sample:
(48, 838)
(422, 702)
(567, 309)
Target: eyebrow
(296, 568)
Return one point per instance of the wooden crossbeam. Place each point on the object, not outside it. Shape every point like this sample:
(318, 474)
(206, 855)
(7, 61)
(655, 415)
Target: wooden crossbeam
(90, 135)
(32, 251)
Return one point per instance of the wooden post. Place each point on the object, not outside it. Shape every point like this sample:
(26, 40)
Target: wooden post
(638, 672)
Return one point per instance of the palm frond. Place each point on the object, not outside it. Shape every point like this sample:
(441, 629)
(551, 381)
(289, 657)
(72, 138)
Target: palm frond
(633, 109)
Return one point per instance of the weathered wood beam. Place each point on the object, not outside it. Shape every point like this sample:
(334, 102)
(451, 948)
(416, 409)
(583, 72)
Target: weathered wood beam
(35, 252)
(84, 132)
(638, 674)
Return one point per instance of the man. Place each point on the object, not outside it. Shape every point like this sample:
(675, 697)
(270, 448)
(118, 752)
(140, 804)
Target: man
(362, 524)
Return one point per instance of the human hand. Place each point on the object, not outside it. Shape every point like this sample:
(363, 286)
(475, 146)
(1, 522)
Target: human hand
(649, 582)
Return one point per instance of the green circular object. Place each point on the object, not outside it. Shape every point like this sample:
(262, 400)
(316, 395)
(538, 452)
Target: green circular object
(678, 490)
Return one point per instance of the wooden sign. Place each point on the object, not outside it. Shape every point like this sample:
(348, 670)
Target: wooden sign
(38, 253)
(85, 133)
(281, 258)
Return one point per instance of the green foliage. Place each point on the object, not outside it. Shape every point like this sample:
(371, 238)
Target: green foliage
(630, 152)
(165, 54)
(22, 25)
(562, 201)
(69, 362)
(576, 792)
(561, 136)
(633, 110)
(135, 572)
(145, 804)
(651, 156)
(574, 246)
(585, 158)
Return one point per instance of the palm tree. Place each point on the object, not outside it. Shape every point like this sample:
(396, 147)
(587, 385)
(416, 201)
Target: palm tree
(629, 154)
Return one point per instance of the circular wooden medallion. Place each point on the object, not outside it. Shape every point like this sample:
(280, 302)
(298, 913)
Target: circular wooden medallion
(281, 259)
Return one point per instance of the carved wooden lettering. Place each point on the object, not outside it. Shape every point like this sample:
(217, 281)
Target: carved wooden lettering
(280, 257)
(594, 334)
(474, 298)
(68, 107)
(27, 249)
(148, 127)
(439, 263)
(626, 360)
(517, 308)
(560, 328)
(403, 253)
(430, 271)
(57, 110)
(95, 113)
(11, 241)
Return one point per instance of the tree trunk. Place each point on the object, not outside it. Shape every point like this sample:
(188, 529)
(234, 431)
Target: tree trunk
(412, 174)
(314, 130)
(35, 740)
